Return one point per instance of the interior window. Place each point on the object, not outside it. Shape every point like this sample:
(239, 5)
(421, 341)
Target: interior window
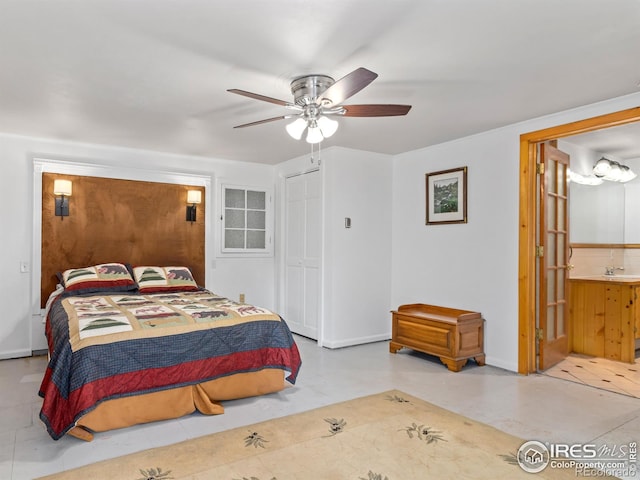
(245, 220)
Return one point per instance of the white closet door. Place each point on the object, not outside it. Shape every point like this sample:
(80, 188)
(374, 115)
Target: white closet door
(302, 257)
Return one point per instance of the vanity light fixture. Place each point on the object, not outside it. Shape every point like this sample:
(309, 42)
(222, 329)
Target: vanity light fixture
(61, 189)
(584, 179)
(194, 197)
(612, 171)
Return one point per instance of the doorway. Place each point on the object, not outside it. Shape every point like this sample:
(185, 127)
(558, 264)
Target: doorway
(527, 274)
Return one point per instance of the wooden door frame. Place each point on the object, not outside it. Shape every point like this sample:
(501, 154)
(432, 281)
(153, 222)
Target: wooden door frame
(527, 225)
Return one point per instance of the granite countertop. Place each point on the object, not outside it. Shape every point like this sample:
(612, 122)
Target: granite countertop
(609, 278)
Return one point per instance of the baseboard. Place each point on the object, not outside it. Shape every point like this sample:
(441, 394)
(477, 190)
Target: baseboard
(350, 342)
(15, 354)
(500, 363)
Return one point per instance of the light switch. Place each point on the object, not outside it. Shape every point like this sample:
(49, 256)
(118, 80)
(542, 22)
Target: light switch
(347, 222)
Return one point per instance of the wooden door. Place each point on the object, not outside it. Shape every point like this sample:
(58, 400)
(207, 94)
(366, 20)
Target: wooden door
(303, 236)
(553, 258)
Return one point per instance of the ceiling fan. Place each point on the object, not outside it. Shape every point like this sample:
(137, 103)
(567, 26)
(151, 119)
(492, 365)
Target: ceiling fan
(317, 98)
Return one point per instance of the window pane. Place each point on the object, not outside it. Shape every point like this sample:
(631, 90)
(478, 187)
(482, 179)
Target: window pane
(256, 219)
(550, 250)
(562, 183)
(551, 322)
(551, 287)
(551, 212)
(560, 326)
(256, 200)
(561, 277)
(550, 173)
(234, 198)
(561, 250)
(234, 238)
(233, 218)
(255, 239)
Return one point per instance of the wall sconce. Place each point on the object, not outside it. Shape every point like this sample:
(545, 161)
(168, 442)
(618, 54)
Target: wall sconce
(62, 188)
(193, 197)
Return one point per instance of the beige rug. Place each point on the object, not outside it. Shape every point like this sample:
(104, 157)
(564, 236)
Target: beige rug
(388, 436)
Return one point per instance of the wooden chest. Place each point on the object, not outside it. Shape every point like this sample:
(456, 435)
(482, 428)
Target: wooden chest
(452, 335)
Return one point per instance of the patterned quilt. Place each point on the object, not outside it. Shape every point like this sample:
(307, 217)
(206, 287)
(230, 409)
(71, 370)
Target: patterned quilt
(112, 346)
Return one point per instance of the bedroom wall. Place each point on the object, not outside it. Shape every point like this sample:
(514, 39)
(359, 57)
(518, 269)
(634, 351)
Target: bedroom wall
(356, 262)
(471, 266)
(20, 331)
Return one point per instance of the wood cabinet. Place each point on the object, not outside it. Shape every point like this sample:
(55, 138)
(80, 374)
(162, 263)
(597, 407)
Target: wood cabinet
(451, 334)
(604, 319)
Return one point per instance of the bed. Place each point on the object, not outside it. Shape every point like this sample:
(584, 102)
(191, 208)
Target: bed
(134, 345)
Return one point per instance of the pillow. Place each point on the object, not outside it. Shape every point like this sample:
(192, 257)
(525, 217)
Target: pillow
(106, 277)
(164, 279)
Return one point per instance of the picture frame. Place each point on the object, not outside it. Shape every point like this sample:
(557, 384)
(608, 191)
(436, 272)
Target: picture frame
(446, 200)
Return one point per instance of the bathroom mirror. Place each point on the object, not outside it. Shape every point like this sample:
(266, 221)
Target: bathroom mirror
(607, 213)
(597, 213)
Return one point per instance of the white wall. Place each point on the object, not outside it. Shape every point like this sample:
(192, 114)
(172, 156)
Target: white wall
(471, 266)
(20, 332)
(356, 262)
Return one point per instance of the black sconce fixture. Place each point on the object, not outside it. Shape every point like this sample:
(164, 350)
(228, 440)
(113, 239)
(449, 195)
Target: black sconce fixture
(62, 189)
(193, 197)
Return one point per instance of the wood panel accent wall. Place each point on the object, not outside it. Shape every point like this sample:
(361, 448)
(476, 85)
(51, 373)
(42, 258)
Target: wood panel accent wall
(126, 221)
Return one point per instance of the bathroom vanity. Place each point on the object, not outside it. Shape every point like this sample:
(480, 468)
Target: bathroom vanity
(604, 318)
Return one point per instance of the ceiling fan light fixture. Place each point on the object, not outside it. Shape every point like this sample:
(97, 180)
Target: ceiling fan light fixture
(296, 128)
(316, 97)
(314, 134)
(328, 126)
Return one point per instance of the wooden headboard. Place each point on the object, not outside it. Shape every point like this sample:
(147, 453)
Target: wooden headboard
(126, 221)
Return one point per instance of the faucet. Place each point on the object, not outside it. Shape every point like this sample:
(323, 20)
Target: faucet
(611, 270)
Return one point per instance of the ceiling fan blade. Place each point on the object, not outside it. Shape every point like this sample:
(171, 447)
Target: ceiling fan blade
(373, 110)
(257, 96)
(348, 85)
(267, 120)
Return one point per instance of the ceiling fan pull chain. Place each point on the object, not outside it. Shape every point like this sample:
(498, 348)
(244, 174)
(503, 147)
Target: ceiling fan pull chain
(319, 147)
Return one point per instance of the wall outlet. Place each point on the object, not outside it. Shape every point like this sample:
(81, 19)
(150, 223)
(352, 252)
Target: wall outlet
(241, 298)
(24, 267)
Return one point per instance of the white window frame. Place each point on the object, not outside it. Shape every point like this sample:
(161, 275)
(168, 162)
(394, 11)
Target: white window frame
(269, 206)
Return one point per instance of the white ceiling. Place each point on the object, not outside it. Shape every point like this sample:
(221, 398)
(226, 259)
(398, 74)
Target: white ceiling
(153, 74)
(621, 143)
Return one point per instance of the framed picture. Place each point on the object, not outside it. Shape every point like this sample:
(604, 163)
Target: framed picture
(447, 196)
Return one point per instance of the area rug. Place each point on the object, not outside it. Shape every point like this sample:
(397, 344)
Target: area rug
(388, 436)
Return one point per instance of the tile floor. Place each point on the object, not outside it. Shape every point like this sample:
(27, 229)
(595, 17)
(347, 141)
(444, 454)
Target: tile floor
(536, 407)
(600, 373)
